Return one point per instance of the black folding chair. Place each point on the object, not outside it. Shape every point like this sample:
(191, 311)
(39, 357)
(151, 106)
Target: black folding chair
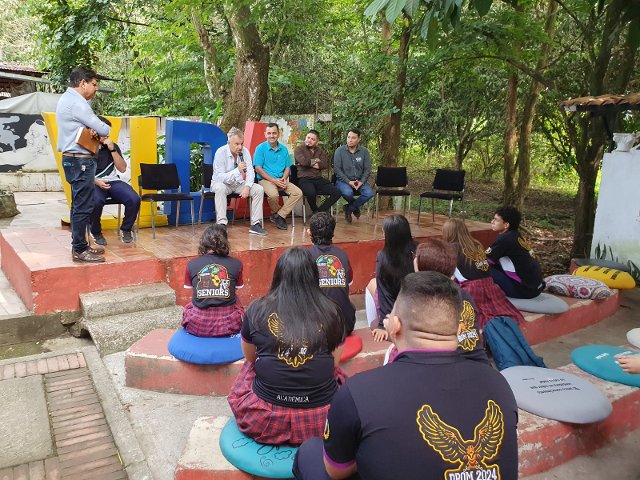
(394, 181)
(207, 194)
(447, 185)
(162, 177)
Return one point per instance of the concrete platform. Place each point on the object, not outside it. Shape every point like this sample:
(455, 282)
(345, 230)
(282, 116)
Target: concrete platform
(37, 261)
(542, 443)
(582, 313)
(150, 366)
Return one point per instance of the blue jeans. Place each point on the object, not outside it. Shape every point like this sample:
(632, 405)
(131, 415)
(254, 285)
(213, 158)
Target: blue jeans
(120, 192)
(80, 173)
(365, 193)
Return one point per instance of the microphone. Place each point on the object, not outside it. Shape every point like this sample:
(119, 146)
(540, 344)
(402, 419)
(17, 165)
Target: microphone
(241, 158)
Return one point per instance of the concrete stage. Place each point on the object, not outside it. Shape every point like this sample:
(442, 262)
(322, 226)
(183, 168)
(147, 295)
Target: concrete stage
(37, 261)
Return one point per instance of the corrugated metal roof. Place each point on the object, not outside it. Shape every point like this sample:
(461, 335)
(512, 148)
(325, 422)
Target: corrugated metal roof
(602, 102)
(20, 69)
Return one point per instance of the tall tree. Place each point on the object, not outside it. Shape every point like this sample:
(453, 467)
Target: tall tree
(390, 138)
(248, 95)
(608, 45)
(517, 171)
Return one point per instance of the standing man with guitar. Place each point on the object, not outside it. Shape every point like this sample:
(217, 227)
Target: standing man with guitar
(72, 114)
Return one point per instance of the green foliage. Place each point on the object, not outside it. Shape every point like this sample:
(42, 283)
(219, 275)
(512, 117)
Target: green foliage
(72, 33)
(443, 14)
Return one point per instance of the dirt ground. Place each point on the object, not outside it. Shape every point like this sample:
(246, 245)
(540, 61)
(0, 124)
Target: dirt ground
(548, 219)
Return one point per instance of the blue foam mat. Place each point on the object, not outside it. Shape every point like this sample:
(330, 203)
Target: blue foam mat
(244, 453)
(600, 361)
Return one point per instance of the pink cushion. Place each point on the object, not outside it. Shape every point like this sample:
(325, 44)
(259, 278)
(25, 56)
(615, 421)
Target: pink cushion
(577, 287)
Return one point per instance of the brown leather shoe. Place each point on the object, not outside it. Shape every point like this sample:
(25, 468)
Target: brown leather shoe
(86, 257)
(96, 250)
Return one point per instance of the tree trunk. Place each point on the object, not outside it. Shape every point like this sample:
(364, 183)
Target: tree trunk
(590, 144)
(585, 209)
(510, 139)
(390, 139)
(524, 139)
(250, 86)
(210, 74)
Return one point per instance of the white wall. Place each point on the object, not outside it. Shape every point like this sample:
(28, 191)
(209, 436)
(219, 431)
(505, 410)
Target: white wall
(617, 222)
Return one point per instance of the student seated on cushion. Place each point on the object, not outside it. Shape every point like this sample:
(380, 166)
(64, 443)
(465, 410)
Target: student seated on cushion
(333, 266)
(289, 339)
(214, 276)
(434, 255)
(430, 414)
(472, 274)
(393, 262)
(513, 265)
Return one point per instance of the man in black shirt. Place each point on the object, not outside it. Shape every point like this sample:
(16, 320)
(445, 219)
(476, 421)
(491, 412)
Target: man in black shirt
(513, 264)
(428, 414)
(108, 185)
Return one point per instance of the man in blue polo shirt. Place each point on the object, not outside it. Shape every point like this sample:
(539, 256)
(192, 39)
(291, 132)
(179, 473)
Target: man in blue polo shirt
(430, 413)
(271, 161)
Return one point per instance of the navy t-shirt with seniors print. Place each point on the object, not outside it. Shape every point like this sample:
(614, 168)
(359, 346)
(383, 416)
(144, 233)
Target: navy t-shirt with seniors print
(335, 274)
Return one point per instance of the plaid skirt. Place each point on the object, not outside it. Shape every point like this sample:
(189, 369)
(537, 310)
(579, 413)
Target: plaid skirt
(220, 321)
(491, 301)
(274, 424)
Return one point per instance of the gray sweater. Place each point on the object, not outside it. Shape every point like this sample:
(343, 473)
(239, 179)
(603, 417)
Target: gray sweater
(351, 166)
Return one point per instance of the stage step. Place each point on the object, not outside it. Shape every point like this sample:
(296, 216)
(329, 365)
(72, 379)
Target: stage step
(150, 366)
(116, 333)
(138, 298)
(542, 443)
(539, 328)
(117, 318)
(202, 459)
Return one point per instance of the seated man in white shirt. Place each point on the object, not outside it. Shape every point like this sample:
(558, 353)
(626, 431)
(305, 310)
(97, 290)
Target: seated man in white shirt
(233, 173)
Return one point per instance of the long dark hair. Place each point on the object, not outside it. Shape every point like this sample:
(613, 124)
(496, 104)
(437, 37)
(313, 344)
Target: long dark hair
(310, 319)
(397, 254)
(214, 241)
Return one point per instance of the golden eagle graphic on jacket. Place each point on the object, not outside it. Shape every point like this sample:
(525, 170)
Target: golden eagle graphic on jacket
(287, 355)
(468, 454)
(468, 336)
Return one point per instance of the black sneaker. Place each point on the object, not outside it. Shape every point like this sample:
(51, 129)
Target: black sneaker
(256, 229)
(281, 223)
(99, 239)
(347, 214)
(86, 257)
(127, 236)
(356, 213)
